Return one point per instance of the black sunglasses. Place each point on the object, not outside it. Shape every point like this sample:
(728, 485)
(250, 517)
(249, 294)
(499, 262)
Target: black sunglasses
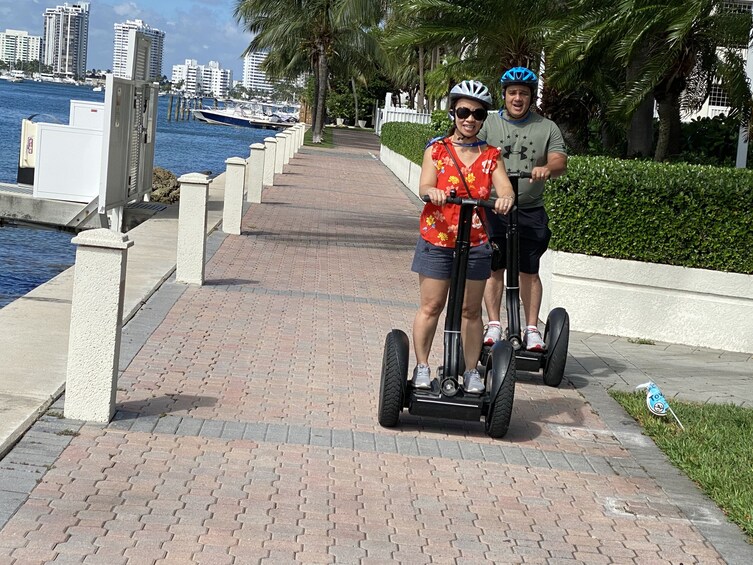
(479, 113)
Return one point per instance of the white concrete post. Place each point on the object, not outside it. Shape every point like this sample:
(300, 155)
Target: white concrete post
(270, 158)
(192, 228)
(282, 150)
(255, 172)
(291, 144)
(96, 323)
(301, 134)
(232, 210)
(288, 144)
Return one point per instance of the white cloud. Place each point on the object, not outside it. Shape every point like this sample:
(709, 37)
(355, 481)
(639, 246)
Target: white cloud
(128, 10)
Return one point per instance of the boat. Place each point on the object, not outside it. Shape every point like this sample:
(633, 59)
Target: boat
(11, 78)
(98, 88)
(250, 114)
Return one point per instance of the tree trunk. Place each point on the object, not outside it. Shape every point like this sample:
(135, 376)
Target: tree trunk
(317, 129)
(312, 103)
(355, 95)
(668, 144)
(640, 136)
(421, 84)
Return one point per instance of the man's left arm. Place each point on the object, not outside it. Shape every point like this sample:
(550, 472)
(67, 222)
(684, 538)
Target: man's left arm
(556, 163)
(556, 157)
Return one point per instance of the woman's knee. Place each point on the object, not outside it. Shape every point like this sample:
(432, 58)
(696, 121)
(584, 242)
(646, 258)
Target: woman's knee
(472, 311)
(432, 308)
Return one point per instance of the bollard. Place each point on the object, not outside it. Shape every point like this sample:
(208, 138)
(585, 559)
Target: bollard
(255, 172)
(300, 132)
(96, 323)
(270, 153)
(288, 147)
(232, 209)
(291, 144)
(192, 228)
(282, 149)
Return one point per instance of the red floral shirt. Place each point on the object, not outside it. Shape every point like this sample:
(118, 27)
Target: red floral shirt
(439, 224)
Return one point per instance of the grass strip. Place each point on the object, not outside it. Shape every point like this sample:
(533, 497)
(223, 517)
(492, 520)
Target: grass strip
(326, 139)
(715, 450)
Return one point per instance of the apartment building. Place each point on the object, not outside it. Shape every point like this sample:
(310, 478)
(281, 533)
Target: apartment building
(66, 38)
(253, 77)
(203, 80)
(122, 45)
(18, 45)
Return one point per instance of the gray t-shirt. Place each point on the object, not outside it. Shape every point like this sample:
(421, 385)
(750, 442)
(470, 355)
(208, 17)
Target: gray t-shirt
(525, 144)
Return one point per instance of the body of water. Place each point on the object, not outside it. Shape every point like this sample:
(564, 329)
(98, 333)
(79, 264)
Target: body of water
(30, 256)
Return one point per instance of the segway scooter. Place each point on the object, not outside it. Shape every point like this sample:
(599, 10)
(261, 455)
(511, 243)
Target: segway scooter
(446, 398)
(557, 333)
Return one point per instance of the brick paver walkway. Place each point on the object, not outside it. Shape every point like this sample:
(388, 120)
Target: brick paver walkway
(247, 433)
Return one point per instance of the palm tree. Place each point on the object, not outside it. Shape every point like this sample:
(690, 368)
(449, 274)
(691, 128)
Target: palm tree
(487, 36)
(672, 52)
(308, 35)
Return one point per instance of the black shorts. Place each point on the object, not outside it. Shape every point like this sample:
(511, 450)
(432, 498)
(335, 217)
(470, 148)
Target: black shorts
(533, 227)
(436, 262)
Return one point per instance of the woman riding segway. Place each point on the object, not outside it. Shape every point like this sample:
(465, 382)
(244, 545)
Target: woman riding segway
(453, 256)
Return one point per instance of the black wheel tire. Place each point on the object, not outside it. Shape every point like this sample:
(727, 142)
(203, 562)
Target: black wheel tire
(557, 338)
(502, 389)
(394, 378)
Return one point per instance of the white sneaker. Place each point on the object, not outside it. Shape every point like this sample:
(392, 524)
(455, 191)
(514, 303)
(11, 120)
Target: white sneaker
(472, 382)
(422, 376)
(493, 333)
(533, 340)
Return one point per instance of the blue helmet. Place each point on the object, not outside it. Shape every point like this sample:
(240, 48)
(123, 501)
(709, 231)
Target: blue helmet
(520, 75)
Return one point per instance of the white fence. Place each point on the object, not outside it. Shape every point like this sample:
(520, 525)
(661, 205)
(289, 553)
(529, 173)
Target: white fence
(385, 115)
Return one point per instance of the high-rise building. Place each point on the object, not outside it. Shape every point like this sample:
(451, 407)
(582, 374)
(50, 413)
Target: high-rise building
(202, 80)
(66, 38)
(122, 46)
(253, 77)
(19, 46)
(216, 80)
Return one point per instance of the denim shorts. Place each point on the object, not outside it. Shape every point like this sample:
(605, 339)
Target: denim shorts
(436, 262)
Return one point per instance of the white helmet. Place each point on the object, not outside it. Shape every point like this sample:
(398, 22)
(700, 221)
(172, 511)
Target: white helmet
(472, 89)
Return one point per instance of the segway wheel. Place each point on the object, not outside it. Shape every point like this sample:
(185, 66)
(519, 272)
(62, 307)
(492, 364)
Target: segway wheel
(394, 378)
(502, 390)
(557, 338)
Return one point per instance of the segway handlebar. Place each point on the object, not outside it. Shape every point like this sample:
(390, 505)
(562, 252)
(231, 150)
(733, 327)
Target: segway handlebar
(466, 201)
(518, 175)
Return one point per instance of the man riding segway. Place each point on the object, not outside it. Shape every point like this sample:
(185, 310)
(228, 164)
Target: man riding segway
(529, 143)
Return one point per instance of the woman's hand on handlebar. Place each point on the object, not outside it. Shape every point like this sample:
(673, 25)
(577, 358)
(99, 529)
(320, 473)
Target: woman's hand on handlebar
(437, 197)
(504, 202)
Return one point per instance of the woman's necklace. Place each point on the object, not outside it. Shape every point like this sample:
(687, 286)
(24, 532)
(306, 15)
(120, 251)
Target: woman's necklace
(472, 144)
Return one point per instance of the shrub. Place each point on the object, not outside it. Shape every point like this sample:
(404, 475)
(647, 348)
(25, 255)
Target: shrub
(675, 214)
(407, 139)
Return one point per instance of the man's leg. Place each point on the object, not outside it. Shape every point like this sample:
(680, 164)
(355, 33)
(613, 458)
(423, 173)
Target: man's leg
(531, 292)
(495, 287)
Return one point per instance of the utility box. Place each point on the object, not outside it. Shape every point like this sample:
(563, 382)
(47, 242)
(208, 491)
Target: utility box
(62, 162)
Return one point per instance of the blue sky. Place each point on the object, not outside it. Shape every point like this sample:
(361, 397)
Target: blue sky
(204, 30)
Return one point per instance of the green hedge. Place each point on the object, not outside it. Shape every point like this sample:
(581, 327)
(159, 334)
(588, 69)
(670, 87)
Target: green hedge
(407, 139)
(674, 214)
